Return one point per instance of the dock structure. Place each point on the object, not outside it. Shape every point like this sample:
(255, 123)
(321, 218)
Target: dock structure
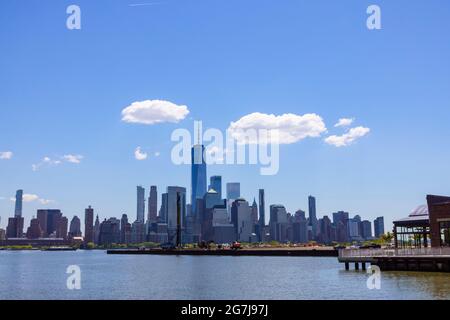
(412, 259)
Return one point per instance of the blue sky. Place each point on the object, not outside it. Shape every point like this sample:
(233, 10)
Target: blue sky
(62, 93)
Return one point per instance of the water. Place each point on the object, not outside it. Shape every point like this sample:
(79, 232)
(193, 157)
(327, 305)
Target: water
(42, 275)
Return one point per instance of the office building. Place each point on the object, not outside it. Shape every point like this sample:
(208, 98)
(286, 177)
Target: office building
(366, 230)
(34, 231)
(18, 204)
(125, 230)
(378, 225)
(278, 223)
(140, 206)
(312, 216)
(262, 215)
(89, 225)
(153, 205)
(75, 227)
(241, 218)
(215, 183)
(198, 175)
(109, 232)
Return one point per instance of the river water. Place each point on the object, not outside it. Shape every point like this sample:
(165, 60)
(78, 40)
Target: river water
(42, 275)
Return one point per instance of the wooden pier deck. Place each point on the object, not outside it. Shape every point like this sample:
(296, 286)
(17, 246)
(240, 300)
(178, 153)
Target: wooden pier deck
(417, 259)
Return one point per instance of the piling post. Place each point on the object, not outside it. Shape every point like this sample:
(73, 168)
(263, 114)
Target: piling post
(356, 266)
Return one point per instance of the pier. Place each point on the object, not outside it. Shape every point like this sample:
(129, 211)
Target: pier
(411, 259)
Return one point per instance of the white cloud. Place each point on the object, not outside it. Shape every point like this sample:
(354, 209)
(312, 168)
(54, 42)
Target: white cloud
(32, 198)
(47, 161)
(139, 154)
(6, 155)
(73, 158)
(291, 127)
(348, 138)
(157, 154)
(154, 111)
(344, 122)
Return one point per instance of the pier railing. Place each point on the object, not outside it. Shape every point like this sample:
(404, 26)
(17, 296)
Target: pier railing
(372, 253)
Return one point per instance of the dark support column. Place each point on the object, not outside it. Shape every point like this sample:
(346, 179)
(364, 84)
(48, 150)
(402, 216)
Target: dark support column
(363, 266)
(347, 266)
(356, 266)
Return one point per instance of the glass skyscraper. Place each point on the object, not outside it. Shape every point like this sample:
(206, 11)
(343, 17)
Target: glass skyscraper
(140, 204)
(216, 184)
(18, 208)
(198, 175)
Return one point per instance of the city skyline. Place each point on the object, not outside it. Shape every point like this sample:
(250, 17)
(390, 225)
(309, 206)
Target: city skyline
(70, 141)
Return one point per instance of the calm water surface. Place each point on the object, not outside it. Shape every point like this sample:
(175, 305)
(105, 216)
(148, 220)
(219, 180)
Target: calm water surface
(42, 275)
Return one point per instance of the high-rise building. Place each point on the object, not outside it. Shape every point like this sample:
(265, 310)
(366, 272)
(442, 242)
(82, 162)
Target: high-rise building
(109, 232)
(198, 175)
(233, 193)
(75, 227)
(278, 223)
(233, 190)
(212, 198)
(163, 209)
(254, 212)
(215, 183)
(61, 228)
(378, 225)
(300, 227)
(172, 192)
(241, 218)
(52, 216)
(140, 204)
(137, 232)
(366, 230)
(312, 216)
(14, 228)
(42, 217)
(18, 207)
(89, 225)
(125, 230)
(262, 215)
(96, 230)
(325, 232)
(153, 205)
(34, 230)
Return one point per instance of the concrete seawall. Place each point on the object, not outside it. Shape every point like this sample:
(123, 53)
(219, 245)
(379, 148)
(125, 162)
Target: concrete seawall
(241, 252)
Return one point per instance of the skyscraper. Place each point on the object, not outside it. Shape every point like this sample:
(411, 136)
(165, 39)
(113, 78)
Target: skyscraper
(233, 190)
(312, 216)
(198, 175)
(75, 227)
(379, 227)
(216, 184)
(18, 208)
(278, 223)
(153, 205)
(233, 193)
(89, 225)
(140, 204)
(262, 215)
(241, 218)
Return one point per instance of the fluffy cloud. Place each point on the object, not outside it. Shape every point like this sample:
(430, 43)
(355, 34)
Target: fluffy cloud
(139, 155)
(291, 127)
(47, 161)
(6, 155)
(348, 138)
(344, 122)
(73, 158)
(153, 112)
(33, 198)
(157, 154)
